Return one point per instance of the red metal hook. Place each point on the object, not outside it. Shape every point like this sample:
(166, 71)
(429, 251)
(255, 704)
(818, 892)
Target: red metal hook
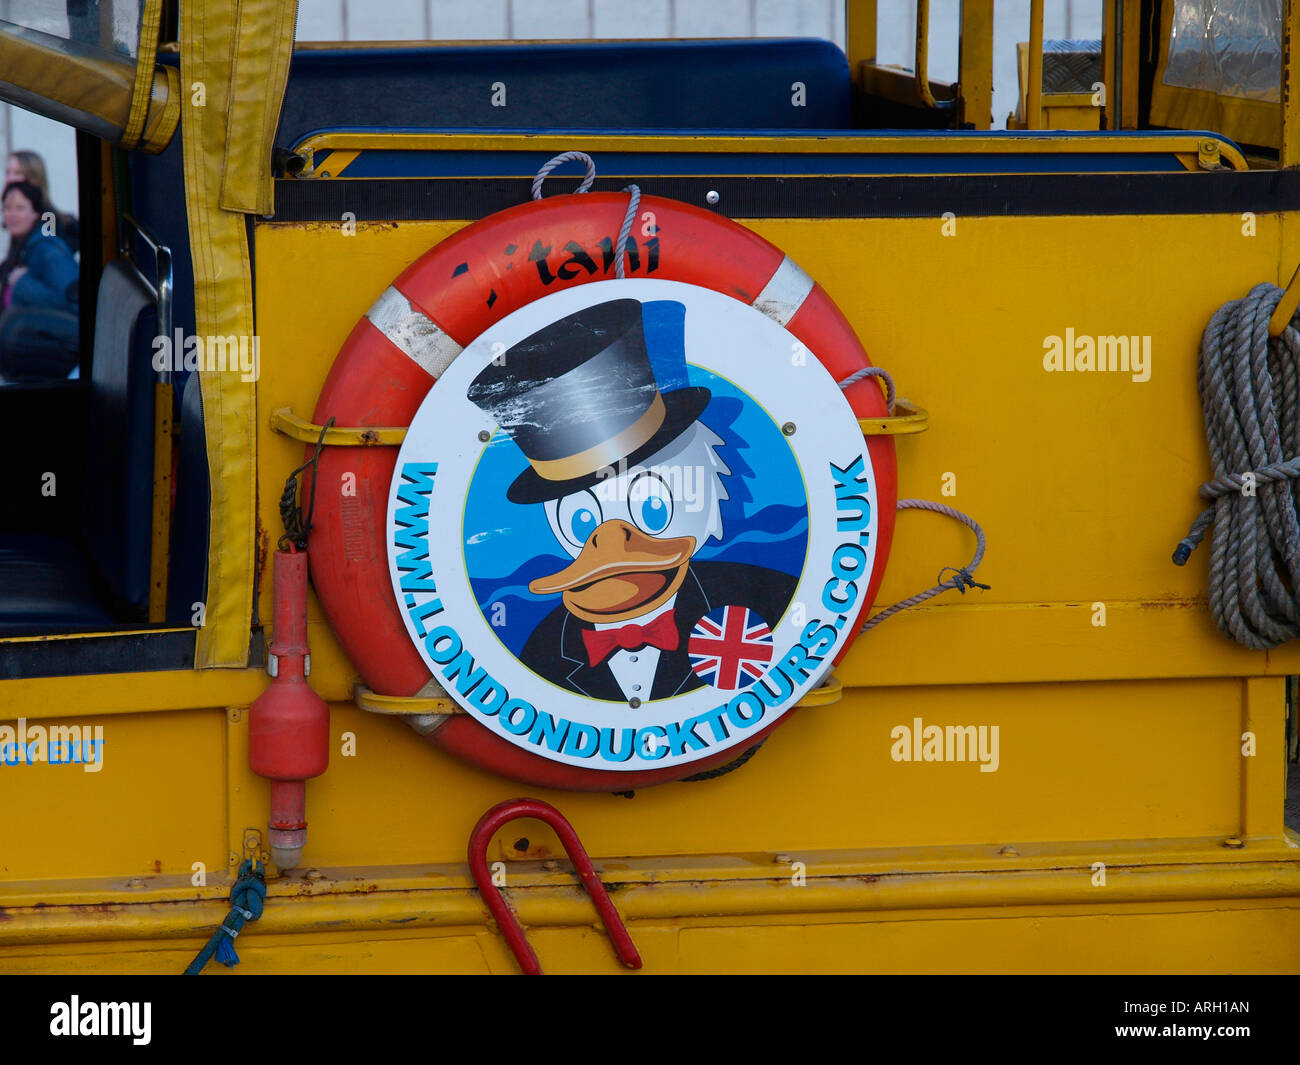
(510, 810)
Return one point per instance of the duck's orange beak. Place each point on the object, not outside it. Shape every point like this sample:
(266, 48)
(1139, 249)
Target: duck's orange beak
(621, 573)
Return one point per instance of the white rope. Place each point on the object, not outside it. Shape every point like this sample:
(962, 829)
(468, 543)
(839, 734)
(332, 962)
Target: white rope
(565, 157)
(620, 246)
(962, 578)
(620, 249)
(872, 371)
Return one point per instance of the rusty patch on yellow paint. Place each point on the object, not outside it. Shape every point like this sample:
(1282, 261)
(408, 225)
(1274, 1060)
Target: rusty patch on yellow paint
(1169, 602)
(333, 227)
(522, 848)
(262, 541)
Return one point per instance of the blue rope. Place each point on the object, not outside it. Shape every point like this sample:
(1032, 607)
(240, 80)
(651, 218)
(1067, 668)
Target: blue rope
(247, 897)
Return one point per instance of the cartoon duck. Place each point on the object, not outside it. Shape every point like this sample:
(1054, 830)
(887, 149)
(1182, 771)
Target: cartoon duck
(632, 485)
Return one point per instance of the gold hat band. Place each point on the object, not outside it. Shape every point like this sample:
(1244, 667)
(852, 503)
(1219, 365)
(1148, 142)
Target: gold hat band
(607, 452)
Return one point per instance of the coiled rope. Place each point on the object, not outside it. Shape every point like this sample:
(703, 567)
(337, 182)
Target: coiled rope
(961, 579)
(1250, 394)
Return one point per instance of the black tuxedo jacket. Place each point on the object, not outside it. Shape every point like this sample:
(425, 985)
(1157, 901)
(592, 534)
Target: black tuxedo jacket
(557, 652)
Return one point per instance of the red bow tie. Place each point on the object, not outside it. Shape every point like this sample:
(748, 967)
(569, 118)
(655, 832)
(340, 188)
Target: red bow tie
(601, 643)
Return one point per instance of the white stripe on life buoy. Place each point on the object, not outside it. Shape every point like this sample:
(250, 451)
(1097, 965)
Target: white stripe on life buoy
(784, 292)
(428, 724)
(413, 332)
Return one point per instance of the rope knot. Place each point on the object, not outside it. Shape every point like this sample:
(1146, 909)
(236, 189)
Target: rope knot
(248, 896)
(961, 579)
(247, 899)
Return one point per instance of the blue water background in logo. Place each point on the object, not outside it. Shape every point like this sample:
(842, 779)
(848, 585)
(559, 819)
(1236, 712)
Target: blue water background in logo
(765, 521)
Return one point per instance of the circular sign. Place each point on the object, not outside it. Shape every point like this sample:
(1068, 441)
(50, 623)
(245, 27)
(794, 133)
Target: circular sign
(633, 522)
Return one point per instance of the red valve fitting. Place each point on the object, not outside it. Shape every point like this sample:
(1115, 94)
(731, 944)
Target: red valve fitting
(288, 724)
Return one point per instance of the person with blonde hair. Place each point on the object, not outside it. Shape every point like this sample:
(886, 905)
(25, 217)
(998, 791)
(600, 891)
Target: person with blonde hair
(30, 167)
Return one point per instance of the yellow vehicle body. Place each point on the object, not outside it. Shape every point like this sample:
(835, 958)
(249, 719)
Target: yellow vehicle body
(1121, 743)
(1132, 820)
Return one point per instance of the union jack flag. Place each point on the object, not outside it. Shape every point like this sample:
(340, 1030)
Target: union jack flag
(729, 647)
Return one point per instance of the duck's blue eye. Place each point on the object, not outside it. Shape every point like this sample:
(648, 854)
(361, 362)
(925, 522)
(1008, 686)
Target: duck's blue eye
(582, 524)
(578, 517)
(654, 515)
(651, 503)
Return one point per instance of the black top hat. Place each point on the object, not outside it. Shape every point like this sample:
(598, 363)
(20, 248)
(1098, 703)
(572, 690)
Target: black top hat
(580, 395)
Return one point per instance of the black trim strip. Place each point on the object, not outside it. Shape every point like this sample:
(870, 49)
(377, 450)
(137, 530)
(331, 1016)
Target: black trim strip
(981, 195)
(79, 656)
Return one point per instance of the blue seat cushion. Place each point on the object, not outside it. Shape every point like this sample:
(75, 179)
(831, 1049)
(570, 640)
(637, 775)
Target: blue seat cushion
(118, 500)
(48, 585)
(187, 574)
(736, 85)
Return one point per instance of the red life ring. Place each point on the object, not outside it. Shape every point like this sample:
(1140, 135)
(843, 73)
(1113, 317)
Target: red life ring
(441, 303)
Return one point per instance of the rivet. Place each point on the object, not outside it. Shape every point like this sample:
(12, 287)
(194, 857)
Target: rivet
(1235, 843)
(711, 197)
(788, 428)
(1009, 852)
(484, 436)
(634, 702)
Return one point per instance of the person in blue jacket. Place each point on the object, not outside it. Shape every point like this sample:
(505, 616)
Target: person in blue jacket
(38, 292)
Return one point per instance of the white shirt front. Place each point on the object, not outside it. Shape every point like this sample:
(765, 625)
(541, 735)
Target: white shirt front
(635, 670)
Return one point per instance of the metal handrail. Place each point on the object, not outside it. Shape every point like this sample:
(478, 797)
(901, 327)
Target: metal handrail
(161, 288)
(922, 61)
(163, 283)
(502, 814)
(1034, 90)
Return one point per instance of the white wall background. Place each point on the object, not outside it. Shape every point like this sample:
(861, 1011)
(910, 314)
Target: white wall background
(375, 20)
(368, 20)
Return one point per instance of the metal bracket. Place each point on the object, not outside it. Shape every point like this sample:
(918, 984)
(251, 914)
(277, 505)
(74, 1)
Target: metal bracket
(403, 704)
(253, 845)
(1286, 306)
(907, 419)
(829, 691)
(284, 421)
